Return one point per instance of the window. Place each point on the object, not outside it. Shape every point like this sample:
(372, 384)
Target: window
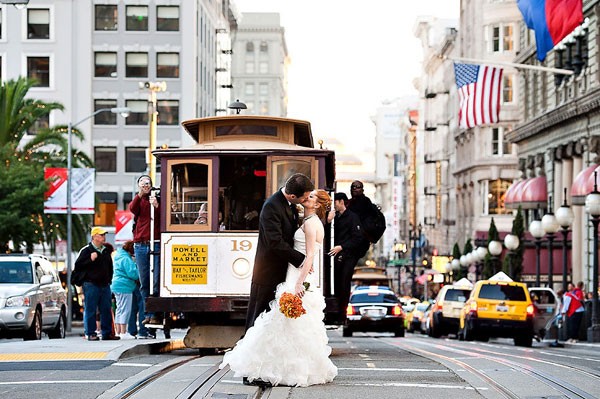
(136, 18)
(105, 65)
(105, 159)
(249, 89)
(168, 112)
(494, 194)
(105, 118)
(263, 67)
(0, 23)
(189, 200)
(105, 17)
(38, 68)
(167, 18)
(502, 38)
(263, 89)
(264, 47)
(500, 146)
(42, 122)
(507, 88)
(249, 66)
(167, 65)
(249, 47)
(136, 65)
(38, 24)
(135, 159)
(138, 112)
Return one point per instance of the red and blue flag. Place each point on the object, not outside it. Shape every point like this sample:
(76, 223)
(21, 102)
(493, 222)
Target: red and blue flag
(552, 21)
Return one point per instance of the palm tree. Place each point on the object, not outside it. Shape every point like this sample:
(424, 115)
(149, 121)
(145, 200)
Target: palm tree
(47, 148)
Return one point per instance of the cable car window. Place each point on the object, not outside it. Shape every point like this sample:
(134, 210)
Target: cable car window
(284, 167)
(246, 130)
(190, 193)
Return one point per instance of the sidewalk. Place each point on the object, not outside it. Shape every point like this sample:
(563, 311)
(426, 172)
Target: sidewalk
(75, 347)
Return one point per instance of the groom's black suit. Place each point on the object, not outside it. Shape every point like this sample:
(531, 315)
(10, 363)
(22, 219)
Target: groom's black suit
(274, 251)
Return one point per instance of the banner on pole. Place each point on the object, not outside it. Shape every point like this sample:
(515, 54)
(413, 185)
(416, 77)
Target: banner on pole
(123, 226)
(82, 190)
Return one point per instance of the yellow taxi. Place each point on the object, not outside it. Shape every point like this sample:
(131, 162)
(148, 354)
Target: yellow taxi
(498, 307)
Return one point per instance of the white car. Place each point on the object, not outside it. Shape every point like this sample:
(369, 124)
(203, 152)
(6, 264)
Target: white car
(32, 298)
(548, 307)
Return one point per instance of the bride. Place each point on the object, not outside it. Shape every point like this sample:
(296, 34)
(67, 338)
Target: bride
(284, 351)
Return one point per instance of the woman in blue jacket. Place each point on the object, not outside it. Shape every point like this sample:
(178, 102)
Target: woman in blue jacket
(125, 278)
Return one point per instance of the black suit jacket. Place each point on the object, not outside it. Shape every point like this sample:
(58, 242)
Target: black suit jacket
(275, 247)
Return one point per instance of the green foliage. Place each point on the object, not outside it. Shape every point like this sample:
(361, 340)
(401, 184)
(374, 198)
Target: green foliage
(468, 247)
(490, 265)
(513, 261)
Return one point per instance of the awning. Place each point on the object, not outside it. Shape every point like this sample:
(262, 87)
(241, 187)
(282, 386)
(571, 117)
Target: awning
(107, 197)
(529, 194)
(583, 184)
(534, 193)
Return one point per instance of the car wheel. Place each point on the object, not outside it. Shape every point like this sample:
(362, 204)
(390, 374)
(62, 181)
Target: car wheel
(35, 331)
(59, 331)
(434, 332)
(526, 341)
(399, 332)
(347, 332)
(468, 333)
(460, 335)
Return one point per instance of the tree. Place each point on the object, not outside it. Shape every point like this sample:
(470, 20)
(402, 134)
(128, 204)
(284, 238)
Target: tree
(514, 259)
(489, 264)
(461, 272)
(24, 157)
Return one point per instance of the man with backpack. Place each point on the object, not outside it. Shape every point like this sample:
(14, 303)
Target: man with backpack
(372, 221)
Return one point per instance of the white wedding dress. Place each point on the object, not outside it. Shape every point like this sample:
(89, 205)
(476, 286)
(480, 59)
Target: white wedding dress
(284, 351)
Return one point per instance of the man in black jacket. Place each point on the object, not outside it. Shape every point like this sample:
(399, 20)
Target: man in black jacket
(96, 262)
(348, 240)
(362, 206)
(275, 249)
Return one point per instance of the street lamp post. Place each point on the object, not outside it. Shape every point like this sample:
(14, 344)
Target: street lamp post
(592, 207)
(550, 226)
(416, 235)
(565, 217)
(536, 230)
(124, 112)
(511, 242)
(481, 252)
(153, 88)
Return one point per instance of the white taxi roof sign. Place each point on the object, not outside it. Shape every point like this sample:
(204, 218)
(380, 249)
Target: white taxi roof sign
(500, 276)
(463, 282)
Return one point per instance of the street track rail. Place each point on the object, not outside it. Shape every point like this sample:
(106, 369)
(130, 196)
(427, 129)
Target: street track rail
(558, 384)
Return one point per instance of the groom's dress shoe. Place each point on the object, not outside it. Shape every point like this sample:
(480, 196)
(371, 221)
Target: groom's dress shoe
(257, 383)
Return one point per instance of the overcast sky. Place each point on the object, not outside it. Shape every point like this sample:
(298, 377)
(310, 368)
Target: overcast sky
(347, 56)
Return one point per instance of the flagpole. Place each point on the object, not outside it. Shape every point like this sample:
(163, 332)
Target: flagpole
(511, 64)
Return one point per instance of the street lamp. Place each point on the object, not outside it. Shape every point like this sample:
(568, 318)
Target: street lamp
(511, 242)
(537, 232)
(592, 207)
(550, 226)
(565, 217)
(416, 235)
(153, 88)
(125, 113)
(495, 248)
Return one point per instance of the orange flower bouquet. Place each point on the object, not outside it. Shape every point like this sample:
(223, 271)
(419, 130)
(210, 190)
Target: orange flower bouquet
(291, 305)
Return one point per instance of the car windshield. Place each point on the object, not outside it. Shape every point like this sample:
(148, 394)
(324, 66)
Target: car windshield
(502, 292)
(457, 295)
(373, 298)
(16, 272)
(542, 297)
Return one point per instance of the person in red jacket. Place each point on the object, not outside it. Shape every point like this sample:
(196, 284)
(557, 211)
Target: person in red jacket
(573, 309)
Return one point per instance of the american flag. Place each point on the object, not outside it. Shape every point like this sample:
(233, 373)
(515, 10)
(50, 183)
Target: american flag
(479, 88)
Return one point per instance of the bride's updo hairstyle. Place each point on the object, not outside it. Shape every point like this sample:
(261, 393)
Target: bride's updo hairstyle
(325, 201)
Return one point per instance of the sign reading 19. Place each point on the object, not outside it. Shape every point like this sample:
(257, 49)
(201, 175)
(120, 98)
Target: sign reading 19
(243, 245)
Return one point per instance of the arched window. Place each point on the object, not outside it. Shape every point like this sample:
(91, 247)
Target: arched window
(264, 47)
(249, 47)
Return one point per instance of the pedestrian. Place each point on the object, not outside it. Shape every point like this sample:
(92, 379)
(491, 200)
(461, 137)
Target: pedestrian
(573, 309)
(125, 278)
(346, 250)
(275, 247)
(360, 204)
(140, 206)
(95, 259)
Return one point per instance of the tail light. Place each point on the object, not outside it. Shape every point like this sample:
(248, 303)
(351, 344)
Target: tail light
(473, 308)
(397, 310)
(530, 310)
(350, 310)
(439, 305)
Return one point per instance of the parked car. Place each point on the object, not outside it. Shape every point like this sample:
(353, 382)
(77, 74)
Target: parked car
(375, 309)
(445, 313)
(32, 298)
(547, 307)
(498, 307)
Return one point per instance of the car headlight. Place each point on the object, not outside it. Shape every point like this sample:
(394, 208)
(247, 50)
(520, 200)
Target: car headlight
(18, 301)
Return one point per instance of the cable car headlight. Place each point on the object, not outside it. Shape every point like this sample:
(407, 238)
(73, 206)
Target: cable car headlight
(241, 268)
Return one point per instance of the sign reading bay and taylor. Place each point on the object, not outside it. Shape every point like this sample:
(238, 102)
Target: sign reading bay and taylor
(189, 264)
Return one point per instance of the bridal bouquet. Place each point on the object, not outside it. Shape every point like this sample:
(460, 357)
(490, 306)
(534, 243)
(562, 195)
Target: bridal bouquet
(291, 305)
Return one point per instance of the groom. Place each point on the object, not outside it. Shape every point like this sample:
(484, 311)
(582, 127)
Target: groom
(277, 224)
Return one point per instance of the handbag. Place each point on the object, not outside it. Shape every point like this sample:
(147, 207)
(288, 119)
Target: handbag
(77, 277)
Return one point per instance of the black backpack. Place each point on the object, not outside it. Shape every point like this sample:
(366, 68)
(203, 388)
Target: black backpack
(373, 224)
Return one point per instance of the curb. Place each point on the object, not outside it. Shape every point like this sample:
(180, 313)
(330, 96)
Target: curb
(152, 348)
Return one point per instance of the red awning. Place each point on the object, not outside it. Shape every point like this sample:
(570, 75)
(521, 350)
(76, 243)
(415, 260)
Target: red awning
(534, 193)
(513, 192)
(583, 184)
